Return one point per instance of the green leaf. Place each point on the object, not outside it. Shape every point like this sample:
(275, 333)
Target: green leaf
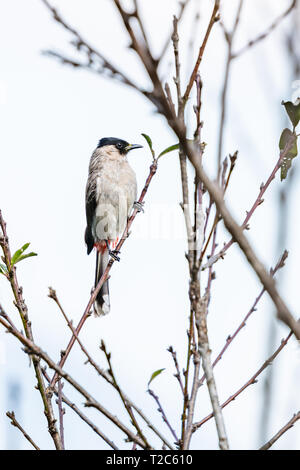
(169, 149)
(293, 111)
(25, 256)
(149, 141)
(155, 374)
(292, 153)
(3, 269)
(18, 253)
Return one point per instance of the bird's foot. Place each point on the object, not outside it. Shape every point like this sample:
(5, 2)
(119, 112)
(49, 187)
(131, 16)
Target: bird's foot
(139, 206)
(114, 254)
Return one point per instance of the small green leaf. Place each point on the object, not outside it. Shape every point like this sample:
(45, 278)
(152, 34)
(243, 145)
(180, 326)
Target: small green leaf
(25, 256)
(293, 111)
(149, 141)
(155, 374)
(3, 269)
(292, 153)
(169, 149)
(18, 253)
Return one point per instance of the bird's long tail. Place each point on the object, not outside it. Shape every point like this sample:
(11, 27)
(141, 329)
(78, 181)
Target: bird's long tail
(102, 302)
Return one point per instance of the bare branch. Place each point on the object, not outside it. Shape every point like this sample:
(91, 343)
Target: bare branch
(230, 338)
(163, 414)
(213, 19)
(122, 396)
(258, 201)
(251, 381)
(61, 413)
(14, 422)
(205, 353)
(285, 428)
(177, 375)
(266, 33)
(183, 6)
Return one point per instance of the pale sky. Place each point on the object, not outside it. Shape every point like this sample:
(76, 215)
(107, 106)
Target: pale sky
(51, 119)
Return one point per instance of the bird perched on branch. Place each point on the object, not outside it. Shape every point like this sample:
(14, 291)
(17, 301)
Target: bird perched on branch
(110, 195)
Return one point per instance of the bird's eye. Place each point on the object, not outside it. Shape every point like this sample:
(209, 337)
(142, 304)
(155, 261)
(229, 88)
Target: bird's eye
(119, 146)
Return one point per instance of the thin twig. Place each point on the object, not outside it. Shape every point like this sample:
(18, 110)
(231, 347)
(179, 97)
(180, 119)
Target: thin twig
(177, 375)
(217, 217)
(192, 400)
(212, 20)
(258, 201)
(230, 338)
(266, 33)
(251, 381)
(285, 428)
(122, 396)
(14, 422)
(163, 414)
(183, 6)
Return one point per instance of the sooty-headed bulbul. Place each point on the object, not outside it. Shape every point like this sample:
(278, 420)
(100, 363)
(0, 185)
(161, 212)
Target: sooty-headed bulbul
(110, 195)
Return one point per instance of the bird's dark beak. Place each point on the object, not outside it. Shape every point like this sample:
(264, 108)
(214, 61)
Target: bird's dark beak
(132, 147)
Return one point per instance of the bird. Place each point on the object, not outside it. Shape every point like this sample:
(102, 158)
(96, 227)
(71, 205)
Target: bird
(111, 192)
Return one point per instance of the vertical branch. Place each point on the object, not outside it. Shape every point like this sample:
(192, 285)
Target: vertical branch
(205, 352)
(188, 223)
(61, 413)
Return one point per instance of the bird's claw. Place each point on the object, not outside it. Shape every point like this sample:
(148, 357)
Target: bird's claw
(114, 254)
(139, 206)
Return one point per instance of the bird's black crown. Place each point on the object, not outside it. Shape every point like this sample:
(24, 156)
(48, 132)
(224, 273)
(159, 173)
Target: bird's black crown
(118, 143)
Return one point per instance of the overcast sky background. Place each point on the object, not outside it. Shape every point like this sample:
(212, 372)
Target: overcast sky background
(51, 119)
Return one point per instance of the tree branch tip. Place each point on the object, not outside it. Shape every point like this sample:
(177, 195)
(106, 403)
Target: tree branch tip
(52, 294)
